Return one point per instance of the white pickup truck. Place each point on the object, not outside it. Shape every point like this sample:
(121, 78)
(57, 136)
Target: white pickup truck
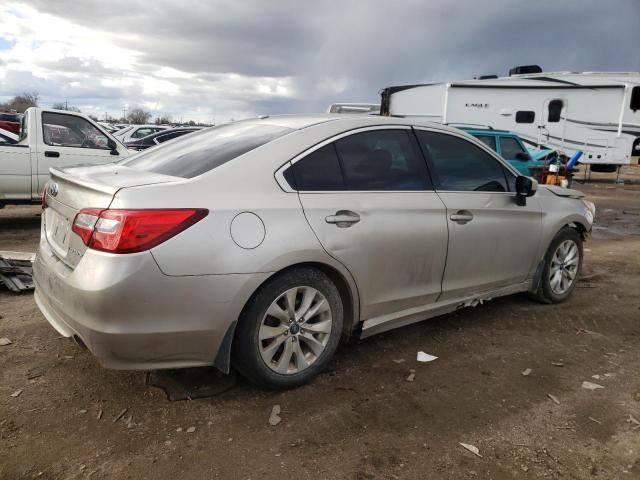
(51, 138)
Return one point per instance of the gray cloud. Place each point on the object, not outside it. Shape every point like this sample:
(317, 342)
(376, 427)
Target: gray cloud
(334, 51)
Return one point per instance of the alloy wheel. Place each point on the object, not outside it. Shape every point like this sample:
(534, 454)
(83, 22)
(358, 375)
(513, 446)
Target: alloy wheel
(564, 267)
(295, 330)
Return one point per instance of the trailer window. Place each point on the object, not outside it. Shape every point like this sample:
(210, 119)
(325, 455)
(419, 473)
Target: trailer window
(635, 99)
(525, 116)
(555, 108)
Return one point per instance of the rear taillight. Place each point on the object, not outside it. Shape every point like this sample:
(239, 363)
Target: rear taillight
(128, 231)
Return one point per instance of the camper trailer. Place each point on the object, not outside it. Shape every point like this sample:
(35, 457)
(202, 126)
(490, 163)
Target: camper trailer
(595, 112)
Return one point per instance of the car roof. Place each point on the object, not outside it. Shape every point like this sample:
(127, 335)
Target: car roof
(298, 122)
(488, 131)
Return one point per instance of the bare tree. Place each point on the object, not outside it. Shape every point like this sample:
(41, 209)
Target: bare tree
(163, 120)
(21, 102)
(65, 106)
(138, 116)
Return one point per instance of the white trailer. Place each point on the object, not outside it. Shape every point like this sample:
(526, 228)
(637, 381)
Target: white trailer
(596, 112)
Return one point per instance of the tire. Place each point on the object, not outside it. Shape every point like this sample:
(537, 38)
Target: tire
(557, 283)
(274, 352)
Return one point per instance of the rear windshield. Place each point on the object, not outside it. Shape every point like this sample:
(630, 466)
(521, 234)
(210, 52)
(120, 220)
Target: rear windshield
(195, 154)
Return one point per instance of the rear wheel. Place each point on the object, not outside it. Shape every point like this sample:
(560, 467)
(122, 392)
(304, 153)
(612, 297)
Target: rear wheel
(290, 329)
(563, 262)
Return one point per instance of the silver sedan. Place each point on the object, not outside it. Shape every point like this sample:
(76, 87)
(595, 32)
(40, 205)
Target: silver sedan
(261, 244)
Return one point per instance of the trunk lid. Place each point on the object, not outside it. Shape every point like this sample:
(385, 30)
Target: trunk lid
(71, 189)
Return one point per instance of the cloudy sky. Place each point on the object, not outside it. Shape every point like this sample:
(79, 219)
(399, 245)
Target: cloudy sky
(218, 60)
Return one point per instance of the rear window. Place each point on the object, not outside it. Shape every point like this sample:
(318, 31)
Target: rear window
(200, 152)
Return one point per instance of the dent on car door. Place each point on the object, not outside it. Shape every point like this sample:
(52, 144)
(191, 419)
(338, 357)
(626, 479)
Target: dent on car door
(493, 242)
(69, 140)
(368, 198)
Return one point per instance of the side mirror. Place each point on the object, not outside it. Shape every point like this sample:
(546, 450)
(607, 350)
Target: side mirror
(113, 146)
(525, 187)
(523, 156)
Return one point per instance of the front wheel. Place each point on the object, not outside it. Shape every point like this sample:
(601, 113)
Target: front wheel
(563, 263)
(289, 330)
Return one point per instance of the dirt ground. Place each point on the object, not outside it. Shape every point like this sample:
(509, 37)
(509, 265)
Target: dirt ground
(362, 419)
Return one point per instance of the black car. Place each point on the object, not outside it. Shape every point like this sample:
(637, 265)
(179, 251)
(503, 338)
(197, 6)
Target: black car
(159, 137)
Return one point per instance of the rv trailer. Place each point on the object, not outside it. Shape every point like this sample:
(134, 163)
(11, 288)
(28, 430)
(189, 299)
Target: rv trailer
(595, 112)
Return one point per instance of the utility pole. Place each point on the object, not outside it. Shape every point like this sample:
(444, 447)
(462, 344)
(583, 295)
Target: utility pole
(66, 104)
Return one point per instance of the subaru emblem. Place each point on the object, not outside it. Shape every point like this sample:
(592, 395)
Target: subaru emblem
(53, 189)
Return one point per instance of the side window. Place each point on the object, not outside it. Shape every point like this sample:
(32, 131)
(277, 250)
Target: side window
(488, 140)
(382, 160)
(635, 99)
(318, 171)
(525, 116)
(555, 108)
(142, 132)
(168, 136)
(510, 147)
(458, 165)
(63, 130)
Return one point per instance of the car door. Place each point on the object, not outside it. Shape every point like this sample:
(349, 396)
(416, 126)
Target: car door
(493, 242)
(368, 198)
(66, 140)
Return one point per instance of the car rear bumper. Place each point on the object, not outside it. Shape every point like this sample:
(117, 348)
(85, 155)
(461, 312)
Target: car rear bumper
(132, 316)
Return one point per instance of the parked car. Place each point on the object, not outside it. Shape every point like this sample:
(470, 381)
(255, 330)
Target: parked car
(50, 138)
(159, 137)
(11, 122)
(136, 132)
(261, 243)
(511, 147)
(8, 137)
(109, 127)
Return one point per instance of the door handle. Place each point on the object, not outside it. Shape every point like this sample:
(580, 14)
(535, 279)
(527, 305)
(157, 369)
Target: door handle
(343, 218)
(462, 216)
(49, 153)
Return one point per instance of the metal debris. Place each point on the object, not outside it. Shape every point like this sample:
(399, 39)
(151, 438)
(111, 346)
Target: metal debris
(398, 360)
(594, 420)
(472, 448)
(274, 417)
(557, 364)
(120, 415)
(5, 341)
(16, 274)
(632, 419)
(591, 385)
(412, 375)
(99, 416)
(16, 393)
(425, 357)
(191, 429)
(554, 398)
(526, 372)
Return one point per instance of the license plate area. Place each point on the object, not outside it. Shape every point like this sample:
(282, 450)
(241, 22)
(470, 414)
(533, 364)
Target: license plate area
(58, 231)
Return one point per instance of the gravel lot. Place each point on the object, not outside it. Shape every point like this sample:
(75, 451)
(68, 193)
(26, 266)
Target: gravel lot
(362, 420)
